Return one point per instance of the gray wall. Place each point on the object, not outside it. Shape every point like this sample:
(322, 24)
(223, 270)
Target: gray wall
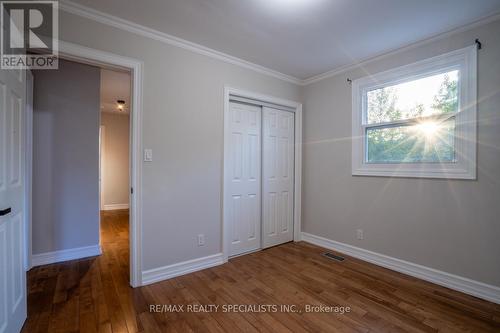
(65, 157)
(183, 124)
(452, 225)
(115, 159)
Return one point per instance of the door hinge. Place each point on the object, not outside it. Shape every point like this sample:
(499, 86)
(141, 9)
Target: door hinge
(131, 190)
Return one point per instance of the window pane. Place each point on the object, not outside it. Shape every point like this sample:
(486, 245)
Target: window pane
(429, 142)
(436, 94)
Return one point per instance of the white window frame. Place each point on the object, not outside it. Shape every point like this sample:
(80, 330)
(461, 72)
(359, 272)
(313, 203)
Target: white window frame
(464, 166)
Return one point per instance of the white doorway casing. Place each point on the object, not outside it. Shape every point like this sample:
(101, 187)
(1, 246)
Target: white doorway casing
(28, 186)
(102, 142)
(98, 58)
(296, 149)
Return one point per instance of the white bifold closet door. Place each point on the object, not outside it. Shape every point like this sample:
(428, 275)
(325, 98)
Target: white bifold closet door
(277, 176)
(243, 199)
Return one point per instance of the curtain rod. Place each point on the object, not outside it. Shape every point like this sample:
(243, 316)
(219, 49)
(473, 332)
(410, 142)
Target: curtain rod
(476, 41)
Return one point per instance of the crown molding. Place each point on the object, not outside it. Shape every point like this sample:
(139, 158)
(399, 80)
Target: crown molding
(119, 23)
(407, 47)
(116, 22)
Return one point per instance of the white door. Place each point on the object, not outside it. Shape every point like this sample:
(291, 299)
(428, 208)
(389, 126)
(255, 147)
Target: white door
(243, 179)
(277, 176)
(12, 274)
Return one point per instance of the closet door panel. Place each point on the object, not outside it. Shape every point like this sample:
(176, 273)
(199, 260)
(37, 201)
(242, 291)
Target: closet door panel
(277, 176)
(244, 195)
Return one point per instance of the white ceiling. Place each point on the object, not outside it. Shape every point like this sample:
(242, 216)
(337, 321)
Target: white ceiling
(301, 38)
(115, 85)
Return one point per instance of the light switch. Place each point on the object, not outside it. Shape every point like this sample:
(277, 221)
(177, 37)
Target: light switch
(148, 155)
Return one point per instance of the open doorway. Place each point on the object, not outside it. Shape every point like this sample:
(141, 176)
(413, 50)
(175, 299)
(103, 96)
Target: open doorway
(98, 60)
(69, 156)
(114, 173)
(65, 166)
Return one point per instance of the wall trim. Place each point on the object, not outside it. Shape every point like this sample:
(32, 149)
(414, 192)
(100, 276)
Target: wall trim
(115, 206)
(117, 22)
(65, 255)
(141, 30)
(181, 268)
(455, 282)
(404, 48)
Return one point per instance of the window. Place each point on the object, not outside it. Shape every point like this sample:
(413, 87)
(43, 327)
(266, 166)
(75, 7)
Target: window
(417, 120)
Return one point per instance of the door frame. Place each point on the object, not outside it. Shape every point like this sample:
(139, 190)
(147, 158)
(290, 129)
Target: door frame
(28, 171)
(82, 54)
(265, 99)
(102, 152)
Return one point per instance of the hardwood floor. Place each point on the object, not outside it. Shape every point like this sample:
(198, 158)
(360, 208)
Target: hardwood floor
(93, 295)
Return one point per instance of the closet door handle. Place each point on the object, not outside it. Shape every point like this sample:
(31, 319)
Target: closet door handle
(6, 211)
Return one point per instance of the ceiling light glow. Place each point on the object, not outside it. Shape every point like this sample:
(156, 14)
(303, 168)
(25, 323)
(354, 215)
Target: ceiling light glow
(288, 5)
(120, 104)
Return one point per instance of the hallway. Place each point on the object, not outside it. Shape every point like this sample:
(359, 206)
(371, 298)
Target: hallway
(88, 294)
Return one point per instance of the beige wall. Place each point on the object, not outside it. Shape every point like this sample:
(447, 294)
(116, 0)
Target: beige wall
(452, 225)
(183, 124)
(449, 225)
(115, 160)
(65, 157)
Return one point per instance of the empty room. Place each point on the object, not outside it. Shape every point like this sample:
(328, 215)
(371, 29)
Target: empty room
(250, 166)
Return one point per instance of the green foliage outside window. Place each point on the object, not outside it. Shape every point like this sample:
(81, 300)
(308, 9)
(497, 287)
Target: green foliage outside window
(411, 143)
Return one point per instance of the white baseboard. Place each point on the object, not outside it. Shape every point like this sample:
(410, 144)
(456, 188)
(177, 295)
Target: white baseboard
(65, 255)
(115, 206)
(455, 282)
(185, 267)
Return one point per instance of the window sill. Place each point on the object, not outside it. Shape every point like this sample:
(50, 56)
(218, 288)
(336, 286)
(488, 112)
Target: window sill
(413, 172)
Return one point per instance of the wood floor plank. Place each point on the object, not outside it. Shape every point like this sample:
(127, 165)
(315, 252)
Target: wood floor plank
(93, 295)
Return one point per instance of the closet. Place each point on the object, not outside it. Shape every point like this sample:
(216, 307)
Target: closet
(259, 196)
